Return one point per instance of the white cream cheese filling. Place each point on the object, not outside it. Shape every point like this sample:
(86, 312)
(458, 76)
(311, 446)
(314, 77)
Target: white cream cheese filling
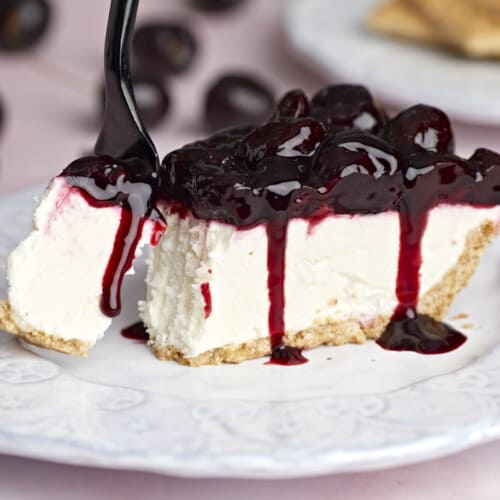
(56, 274)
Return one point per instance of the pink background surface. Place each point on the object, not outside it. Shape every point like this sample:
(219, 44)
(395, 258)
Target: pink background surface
(51, 119)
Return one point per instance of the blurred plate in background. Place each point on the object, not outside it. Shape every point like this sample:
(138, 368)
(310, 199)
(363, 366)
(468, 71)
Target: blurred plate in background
(331, 34)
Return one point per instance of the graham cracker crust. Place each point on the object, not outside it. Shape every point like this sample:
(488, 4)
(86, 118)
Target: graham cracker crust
(435, 303)
(74, 347)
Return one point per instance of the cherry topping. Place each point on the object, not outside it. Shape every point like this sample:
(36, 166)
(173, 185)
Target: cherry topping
(257, 172)
(105, 171)
(421, 127)
(23, 23)
(486, 190)
(237, 99)
(485, 160)
(215, 6)
(435, 178)
(288, 141)
(152, 99)
(294, 104)
(163, 49)
(345, 107)
(362, 171)
(336, 155)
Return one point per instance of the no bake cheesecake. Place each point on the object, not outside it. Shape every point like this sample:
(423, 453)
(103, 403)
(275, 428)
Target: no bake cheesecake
(318, 227)
(328, 224)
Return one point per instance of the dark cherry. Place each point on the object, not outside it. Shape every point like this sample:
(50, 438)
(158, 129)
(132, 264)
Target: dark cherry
(237, 99)
(215, 6)
(421, 128)
(23, 23)
(486, 190)
(152, 99)
(257, 172)
(431, 178)
(224, 138)
(162, 49)
(279, 156)
(346, 107)
(485, 161)
(281, 151)
(294, 104)
(361, 171)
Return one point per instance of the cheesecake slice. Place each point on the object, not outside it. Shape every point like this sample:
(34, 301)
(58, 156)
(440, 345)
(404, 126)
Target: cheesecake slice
(330, 223)
(326, 225)
(208, 299)
(65, 277)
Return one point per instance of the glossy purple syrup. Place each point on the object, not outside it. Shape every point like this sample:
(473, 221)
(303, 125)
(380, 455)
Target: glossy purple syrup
(276, 247)
(136, 332)
(104, 182)
(207, 299)
(428, 179)
(338, 154)
(412, 228)
(421, 334)
(408, 330)
(126, 240)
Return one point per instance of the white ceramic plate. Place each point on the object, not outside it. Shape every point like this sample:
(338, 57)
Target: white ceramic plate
(330, 34)
(350, 408)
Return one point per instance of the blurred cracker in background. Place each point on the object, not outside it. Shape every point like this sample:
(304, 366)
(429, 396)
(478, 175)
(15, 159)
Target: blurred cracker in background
(471, 27)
